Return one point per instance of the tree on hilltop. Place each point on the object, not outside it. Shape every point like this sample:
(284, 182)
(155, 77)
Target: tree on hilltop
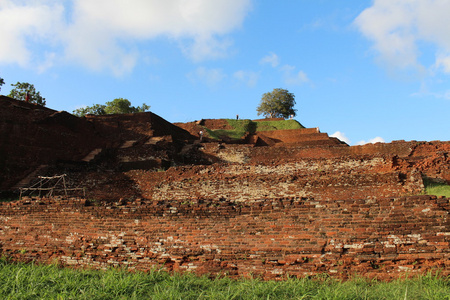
(96, 109)
(117, 106)
(2, 82)
(26, 92)
(123, 106)
(277, 104)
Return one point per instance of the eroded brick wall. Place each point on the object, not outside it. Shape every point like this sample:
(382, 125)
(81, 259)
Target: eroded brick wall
(328, 179)
(382, 238)
(300, 136)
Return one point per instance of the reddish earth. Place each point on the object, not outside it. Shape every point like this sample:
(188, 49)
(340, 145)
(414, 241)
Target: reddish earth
(272, 203)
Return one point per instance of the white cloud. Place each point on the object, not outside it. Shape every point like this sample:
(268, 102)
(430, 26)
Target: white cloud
(292, 77)
(341, 136)
(399, 28)
(443, 62)
(23, 26)
(372, 141)
(207, 47)
(250, 78)
(209, 76)
(271, 59)
(438, 95)
(101, 34)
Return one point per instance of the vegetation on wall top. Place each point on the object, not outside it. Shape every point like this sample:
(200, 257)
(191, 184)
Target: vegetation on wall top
(242, 127)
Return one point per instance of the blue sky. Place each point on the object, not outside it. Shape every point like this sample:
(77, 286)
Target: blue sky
(363, 71)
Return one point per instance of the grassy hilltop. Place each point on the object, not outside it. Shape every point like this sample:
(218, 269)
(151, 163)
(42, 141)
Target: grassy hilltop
(242, 127)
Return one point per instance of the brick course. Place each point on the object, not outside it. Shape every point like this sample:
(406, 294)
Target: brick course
(384, 238)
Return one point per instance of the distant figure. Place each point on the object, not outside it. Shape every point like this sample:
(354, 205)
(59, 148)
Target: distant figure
(237, 117)
(201, 135)
(27, 97)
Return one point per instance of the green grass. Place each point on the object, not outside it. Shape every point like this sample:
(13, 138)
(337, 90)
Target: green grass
(29, 281)
(278, 125)
(241, 127)
(436, 188)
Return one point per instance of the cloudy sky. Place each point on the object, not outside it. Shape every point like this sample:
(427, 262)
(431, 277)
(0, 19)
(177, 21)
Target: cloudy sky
(364, 71)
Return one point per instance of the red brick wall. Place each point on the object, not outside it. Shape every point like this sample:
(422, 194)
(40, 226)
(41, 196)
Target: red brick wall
(272, 238)
(299, 136)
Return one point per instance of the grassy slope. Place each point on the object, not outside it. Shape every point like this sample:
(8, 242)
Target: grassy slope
(241, 127)
(28, 281)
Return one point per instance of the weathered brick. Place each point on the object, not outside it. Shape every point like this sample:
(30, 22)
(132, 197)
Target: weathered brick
(98, 236)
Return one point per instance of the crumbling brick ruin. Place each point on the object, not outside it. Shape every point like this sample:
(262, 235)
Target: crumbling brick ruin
(273, 204)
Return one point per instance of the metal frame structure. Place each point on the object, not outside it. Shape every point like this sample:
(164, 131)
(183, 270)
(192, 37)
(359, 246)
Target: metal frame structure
(47, 186)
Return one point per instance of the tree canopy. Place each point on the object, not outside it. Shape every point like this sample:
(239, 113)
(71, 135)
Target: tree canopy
(2, 82)
(96, 109)
(277, 104)
(117, 106)
(24, 90)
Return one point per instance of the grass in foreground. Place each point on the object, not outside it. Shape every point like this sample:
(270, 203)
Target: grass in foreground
(28, 281)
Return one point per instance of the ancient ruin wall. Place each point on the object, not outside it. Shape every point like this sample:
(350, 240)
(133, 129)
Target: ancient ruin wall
(382, 238)
(33, 136)
(304, 135)
(330, 179)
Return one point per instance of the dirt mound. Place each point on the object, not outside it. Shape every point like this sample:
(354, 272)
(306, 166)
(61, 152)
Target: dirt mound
(135, 126)
(303, 136)
(34, 137)
(126, 156)
(193, 128)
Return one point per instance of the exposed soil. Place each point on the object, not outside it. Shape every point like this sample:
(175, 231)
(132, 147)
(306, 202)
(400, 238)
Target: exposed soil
(143, 156)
